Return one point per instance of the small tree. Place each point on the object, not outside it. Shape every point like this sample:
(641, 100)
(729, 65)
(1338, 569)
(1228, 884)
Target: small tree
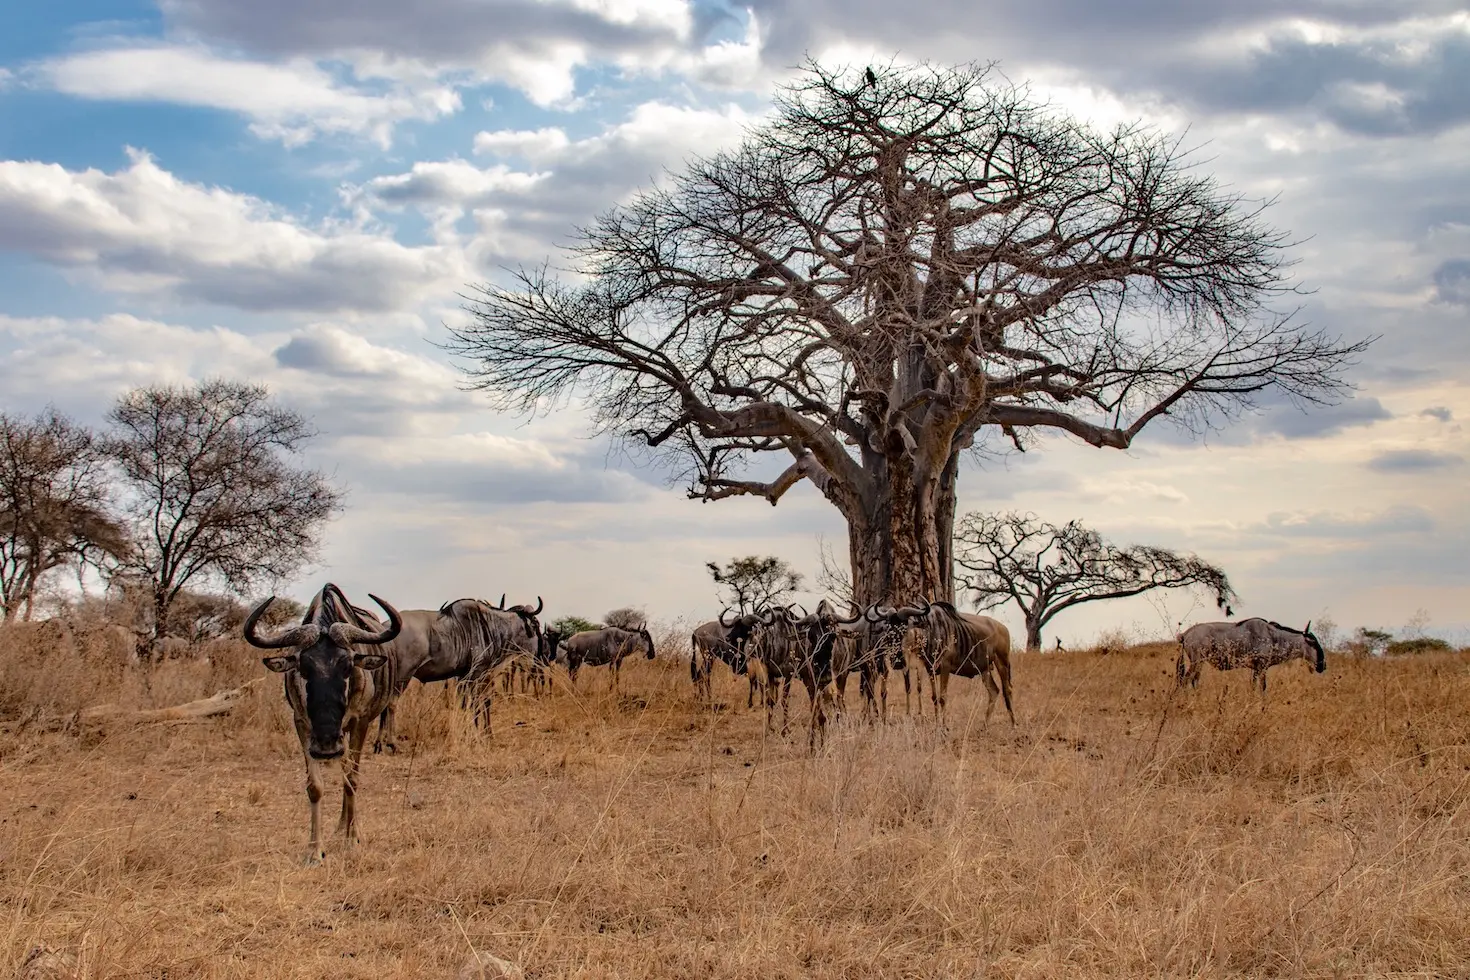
(568, 625)
(53, 486)
(626, 618)
(211, 494)
(1046, 569)
(755, 581)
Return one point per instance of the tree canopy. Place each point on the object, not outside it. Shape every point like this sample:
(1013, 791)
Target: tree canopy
(211, 490)
(890, 273)
(1046, 569)
(754, 581)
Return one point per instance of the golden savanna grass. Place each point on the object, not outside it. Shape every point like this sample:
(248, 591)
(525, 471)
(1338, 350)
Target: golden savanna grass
(1118, 830)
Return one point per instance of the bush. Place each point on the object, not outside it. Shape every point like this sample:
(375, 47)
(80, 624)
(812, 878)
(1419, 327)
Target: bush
(1420, 644)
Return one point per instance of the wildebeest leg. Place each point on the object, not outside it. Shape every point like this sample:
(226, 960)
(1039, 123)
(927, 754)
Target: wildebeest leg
(387, 732)
(992, 691)
(750, 695)
(785, 703)
(351, 766)
(1258, 675)
(314, 852)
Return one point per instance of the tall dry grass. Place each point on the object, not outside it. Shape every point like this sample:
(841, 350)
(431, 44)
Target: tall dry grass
(1118, 830)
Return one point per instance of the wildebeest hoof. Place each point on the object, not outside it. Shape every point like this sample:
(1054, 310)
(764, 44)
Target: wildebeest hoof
(314, 858)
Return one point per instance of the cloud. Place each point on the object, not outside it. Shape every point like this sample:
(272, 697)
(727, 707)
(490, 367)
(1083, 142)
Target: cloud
(143, 231)
(1452, 282)
(1387, 79)
(1413, 461)
(1318, 421)
(536, 47)
(1438, 412)
(293, 102)
(1396, 520)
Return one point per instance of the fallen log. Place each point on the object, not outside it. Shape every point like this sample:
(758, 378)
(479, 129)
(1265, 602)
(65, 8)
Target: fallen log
(219, 703)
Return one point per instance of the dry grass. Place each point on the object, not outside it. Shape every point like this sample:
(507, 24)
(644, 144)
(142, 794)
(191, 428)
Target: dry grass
(1116, 831)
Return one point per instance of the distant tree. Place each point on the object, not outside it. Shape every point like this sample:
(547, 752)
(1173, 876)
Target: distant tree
(754, 581)
(1046, 569)
(568, 625)
(212, 494)
(53, 513)
(626, 618)
(1417, 644)
(1369, 642)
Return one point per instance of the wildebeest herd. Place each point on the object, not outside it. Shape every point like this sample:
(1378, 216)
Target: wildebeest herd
(344, 667)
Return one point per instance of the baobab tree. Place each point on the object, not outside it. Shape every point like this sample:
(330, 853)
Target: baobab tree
(888, 275)
(1046, 569)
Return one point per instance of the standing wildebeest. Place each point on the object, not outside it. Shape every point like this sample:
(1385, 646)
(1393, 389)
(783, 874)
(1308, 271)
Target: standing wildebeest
(738, 633)
(708, 642)
(334, 689)
(963, 645)
(870, 650)
(1255, 643)
(597, 648)
(466, 639)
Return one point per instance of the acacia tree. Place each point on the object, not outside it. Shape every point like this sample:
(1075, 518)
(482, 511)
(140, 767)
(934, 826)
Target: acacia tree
(212, 493)
(893, 272)
(755, 581)
(1046, 569)
(53, 514)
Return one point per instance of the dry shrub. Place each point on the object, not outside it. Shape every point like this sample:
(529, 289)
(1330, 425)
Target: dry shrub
(1122, 828)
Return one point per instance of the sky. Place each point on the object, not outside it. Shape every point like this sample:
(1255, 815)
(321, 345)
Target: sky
(299, 193)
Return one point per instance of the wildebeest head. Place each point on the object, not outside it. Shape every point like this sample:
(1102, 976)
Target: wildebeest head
(1314, 646)
(550, 640)
(740, 630)
(648, 639)
(323, 661)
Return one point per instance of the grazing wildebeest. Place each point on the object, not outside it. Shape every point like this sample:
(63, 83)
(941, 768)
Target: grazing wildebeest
(963, 645)
(602, 647)
(467, 639)
(1255, 643)
(335, 690)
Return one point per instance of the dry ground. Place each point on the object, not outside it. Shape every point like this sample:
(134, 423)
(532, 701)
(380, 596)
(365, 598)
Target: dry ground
(1118, 830)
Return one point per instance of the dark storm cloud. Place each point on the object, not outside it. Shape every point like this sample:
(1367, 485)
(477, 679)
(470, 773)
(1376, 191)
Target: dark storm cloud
(1413, 461)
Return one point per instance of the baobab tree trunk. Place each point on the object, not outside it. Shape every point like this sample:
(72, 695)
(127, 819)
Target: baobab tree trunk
(900, 543)
(1033, 633)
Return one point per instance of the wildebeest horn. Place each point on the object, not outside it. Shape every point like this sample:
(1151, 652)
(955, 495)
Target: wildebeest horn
(502, 601)
(722, 618)
(1308, 627)
(346, 634)
(539, 606)
(804, 613)
(868, 613)
(297, 636)
(855, 617)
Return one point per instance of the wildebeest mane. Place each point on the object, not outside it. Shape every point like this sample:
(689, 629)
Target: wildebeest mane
(331, 605)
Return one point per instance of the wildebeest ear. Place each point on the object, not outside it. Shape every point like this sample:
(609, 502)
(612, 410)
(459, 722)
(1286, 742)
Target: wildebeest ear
(279, 664)
(370, 661)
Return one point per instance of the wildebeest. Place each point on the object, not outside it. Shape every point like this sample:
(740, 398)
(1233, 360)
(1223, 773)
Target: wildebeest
(334, 688)
(710, 642)
(1255, 643)
(738, 633)
(602, 647)
(465, 639)
(963, 645)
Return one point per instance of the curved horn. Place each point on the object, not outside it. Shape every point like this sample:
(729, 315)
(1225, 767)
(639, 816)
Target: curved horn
(855, 617)
(346, 633)
(1308, 627)
(722, 618)
(868, 613)
(539, 606)
(297, 636)
(804, 613)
